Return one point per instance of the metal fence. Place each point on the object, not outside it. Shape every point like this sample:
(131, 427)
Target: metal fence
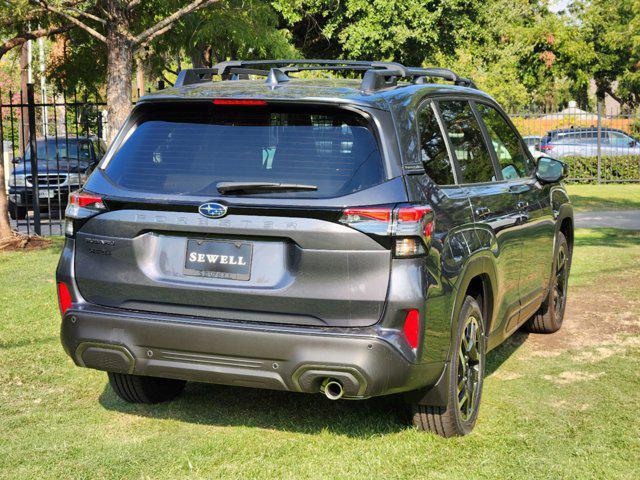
(600, 147)
(51, 145)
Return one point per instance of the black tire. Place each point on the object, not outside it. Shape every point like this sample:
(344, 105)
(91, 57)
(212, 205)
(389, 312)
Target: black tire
(459, 418)
(16, 212)
(549, 317)
(139, 389)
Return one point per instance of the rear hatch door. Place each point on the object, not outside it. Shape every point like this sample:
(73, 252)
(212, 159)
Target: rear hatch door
(175, 241)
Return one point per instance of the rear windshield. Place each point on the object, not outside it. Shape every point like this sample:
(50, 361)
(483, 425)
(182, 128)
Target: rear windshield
(187, 150)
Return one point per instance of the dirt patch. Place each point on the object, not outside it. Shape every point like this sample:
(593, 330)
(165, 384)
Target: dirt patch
(595, 316)
(18, 241)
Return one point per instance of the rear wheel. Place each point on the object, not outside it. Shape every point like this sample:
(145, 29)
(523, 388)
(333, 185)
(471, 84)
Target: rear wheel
(466, 374)
(548, 318)
(16, 212)
(139, 389)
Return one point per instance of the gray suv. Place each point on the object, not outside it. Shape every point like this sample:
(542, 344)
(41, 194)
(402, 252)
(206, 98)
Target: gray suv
(356, 238)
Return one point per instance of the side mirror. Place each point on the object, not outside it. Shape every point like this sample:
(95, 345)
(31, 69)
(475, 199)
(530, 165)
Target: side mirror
(17, 160)
(633, 144)
(550, 170)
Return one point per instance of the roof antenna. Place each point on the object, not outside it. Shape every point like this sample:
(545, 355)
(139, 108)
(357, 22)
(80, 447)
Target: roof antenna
(276, 76)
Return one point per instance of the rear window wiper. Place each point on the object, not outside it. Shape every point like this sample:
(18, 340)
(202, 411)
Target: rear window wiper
(261, 187)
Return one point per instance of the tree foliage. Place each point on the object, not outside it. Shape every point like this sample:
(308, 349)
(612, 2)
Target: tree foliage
(611, 28)
(518, 50)
(247, 29)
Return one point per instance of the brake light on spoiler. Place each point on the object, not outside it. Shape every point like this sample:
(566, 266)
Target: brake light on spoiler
(412, 226)
(239, 102)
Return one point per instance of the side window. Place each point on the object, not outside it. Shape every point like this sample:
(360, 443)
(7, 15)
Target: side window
(433, 148)
(467, 141)
(617, 139)
(512, 158)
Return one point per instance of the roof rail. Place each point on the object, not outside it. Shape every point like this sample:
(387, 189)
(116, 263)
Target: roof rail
(376, 75)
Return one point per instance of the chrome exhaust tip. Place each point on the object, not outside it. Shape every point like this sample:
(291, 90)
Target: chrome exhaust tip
(332, 389)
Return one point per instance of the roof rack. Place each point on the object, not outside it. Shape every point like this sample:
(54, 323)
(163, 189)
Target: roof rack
(376, 75)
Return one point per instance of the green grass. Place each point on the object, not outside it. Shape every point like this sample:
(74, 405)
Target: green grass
(605, 197)
(60, 421)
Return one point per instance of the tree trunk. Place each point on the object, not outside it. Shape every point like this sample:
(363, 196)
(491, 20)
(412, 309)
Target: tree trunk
(5, 226)
(23, 127)
(119, 77)
(140, 77)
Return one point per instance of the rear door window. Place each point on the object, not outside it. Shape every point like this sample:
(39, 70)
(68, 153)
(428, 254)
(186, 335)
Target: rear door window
(467, 141)
(579, 138)
(433, 149)
(188, 149)
(512, 158)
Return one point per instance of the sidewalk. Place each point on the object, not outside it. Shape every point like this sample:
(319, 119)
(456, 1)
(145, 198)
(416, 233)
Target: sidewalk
(624, 219)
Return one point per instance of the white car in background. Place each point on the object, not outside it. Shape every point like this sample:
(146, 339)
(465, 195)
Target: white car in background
(533, 144)
(583, 142)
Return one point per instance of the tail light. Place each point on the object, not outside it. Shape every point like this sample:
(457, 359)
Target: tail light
(64, 298)
(411, 328)
(546, 148)
(411, 226)
(82, 205)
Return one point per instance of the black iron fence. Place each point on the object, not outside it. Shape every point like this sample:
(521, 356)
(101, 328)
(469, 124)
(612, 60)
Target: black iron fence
(49, 146)
(52, 143)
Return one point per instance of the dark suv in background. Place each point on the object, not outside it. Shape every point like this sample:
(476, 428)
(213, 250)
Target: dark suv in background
(63, 166)
(355, 238)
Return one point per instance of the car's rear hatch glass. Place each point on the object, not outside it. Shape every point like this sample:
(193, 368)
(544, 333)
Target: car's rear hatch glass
(188, 149)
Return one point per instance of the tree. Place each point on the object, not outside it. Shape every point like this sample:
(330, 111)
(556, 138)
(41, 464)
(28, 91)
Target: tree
(517, 50)
(611, 29)
(19, 23)
(124, 26)
(245, 29)
(408, 31)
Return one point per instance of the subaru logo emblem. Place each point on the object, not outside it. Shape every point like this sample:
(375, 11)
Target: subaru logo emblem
(212, 210)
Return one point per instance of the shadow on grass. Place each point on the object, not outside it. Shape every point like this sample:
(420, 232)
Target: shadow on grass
(29, 341)
(606, 237)
(595, 203)
(499, 355)
(222, 405)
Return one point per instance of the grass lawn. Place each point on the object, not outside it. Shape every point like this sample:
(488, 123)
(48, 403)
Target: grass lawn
(605, 197)
(559, 406)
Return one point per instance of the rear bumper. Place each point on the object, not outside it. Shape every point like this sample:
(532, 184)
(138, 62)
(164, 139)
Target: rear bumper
(295, 359)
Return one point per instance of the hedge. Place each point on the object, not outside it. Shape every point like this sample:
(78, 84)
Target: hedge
(613, 168)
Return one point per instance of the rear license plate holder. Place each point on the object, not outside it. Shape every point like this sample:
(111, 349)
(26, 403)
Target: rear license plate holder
(227, 259)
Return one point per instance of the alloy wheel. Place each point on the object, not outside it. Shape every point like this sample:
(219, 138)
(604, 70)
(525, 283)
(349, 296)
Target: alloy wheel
(470, 364)
(560, 287)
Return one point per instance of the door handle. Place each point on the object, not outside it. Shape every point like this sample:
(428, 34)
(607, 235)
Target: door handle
(522, 205)
(482, 211)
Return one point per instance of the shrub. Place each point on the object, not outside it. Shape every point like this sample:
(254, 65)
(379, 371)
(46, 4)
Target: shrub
(613, 168)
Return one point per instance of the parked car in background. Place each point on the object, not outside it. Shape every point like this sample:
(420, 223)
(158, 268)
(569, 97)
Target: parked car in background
(533, 144)
(583, 142)
(63, 166)
(355, 238)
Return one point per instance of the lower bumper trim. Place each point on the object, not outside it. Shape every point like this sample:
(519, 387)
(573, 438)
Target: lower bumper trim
(365, 365)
